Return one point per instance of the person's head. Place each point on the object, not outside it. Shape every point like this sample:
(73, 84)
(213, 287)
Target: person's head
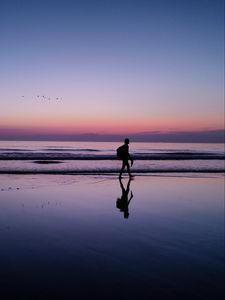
(126, 141)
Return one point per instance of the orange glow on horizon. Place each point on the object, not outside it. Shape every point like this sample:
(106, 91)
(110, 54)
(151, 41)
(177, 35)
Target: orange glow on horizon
(102, 126)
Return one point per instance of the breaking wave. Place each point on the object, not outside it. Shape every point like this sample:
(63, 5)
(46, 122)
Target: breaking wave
(57, 159)
(99, 155)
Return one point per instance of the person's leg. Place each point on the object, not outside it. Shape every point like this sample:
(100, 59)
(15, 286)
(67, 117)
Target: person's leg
(122, 169)
(128, 169)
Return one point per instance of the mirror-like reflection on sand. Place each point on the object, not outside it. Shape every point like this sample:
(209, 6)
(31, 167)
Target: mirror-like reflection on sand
(65, 235)
(123, 202)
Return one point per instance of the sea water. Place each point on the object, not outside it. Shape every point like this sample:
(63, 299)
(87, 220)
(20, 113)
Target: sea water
(64, 237)
(100, 157)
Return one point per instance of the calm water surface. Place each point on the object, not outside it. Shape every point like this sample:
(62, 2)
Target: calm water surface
(65, 237)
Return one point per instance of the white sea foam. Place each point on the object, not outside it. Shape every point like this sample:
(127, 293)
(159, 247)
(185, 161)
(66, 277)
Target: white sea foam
(79, 158)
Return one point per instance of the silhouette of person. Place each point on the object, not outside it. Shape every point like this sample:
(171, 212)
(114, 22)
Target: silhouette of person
(125, 157)
(122, 203)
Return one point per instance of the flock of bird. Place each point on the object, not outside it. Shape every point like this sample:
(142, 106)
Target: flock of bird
(39, 97)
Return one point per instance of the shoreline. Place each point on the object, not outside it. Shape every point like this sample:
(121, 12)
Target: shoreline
(107, 172)
(67, 232)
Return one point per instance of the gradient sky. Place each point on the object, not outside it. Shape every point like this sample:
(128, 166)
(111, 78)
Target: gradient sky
(120, 66)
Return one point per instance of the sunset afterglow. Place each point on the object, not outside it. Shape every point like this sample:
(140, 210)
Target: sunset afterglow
(111, 66)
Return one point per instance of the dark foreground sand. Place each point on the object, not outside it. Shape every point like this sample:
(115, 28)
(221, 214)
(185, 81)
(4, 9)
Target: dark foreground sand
(71, 237)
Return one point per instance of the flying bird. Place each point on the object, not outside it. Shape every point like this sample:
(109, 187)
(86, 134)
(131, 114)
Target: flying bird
(43, 97)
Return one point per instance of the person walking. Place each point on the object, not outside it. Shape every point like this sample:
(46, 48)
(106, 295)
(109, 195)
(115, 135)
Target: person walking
(124, 155)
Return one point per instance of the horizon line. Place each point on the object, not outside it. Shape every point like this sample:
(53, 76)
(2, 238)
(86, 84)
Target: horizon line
(198, 136)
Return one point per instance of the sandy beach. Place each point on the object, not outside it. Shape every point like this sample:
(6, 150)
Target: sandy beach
(71, 237)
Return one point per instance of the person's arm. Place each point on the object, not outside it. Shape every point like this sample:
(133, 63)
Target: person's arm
(129, 157)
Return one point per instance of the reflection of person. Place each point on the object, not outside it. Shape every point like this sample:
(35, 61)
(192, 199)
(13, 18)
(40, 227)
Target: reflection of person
(123, 202)
(125, 157)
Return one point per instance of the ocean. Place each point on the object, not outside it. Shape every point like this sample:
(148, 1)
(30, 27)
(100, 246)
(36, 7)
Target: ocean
(31, 157)
(95, 236)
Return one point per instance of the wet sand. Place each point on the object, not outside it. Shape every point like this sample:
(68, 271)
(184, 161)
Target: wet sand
(72, 237)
